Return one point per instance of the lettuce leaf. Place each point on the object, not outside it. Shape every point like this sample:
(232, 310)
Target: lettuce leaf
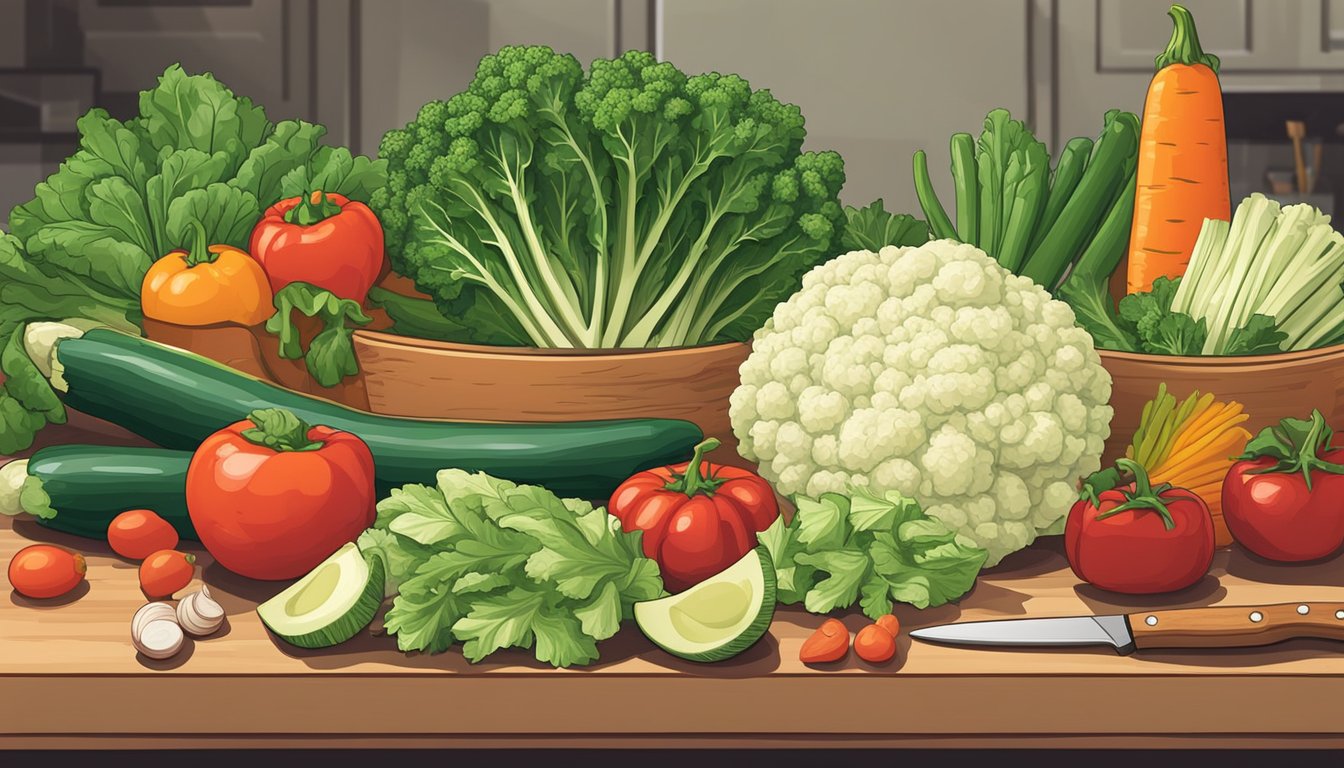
(495, 565)
(842, 549)
(196, 151)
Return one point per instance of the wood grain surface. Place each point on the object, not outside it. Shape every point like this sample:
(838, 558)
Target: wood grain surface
(68, 675)
(441, 380)
(1237, 626)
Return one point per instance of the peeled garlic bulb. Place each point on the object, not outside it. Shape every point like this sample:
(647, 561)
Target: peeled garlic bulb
(159, 639)
(151, 612)
(199, 614)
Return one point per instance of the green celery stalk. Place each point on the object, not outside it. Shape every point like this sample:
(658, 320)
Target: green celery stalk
(966, 179)
(1260, 229)
(1012, 179)
(1282, 251)
(939, 223)
(1029, 195)
(1068, 172)
(1087, 206)
(992, 155)
(1211, 281)
(1329, 324)
(1087, 289)
(1295, 288)
(1208, 247)
(1301, 323)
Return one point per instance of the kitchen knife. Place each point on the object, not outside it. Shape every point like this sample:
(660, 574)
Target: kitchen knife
(1215, 627)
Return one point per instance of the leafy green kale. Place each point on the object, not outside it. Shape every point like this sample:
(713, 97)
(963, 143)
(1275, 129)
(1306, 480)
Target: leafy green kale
(872, 229)
(330, 356)
(1145, 322)
(628, 206)
(196, 152)
(873, 550)
(495, 565)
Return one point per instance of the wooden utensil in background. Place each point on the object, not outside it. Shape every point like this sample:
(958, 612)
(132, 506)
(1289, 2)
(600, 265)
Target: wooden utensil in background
(1297, 131)
(1317, 159)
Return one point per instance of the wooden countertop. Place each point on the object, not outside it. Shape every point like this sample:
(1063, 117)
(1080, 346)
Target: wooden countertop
(69, 677)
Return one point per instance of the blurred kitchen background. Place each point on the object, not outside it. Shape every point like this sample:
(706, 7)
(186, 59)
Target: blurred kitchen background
(877, 79)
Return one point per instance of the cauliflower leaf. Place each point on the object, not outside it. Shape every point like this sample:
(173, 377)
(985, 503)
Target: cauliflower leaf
(859, 547)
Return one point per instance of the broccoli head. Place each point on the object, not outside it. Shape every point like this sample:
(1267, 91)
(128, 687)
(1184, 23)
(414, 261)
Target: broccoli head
(625, 205)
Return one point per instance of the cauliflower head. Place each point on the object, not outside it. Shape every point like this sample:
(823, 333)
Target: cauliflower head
(935, 372)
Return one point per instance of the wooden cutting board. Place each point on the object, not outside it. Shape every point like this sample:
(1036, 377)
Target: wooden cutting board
(69, 677)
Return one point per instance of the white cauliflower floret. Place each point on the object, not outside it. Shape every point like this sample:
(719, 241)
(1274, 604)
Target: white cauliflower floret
(934, 372)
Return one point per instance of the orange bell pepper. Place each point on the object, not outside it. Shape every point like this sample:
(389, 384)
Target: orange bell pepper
(206, 285)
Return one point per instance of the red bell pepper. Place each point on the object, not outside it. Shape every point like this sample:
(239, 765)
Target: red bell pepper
(272, 497)
(323, 239)
(698, 518)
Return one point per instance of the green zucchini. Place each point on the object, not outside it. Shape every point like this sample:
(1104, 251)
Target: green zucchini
(176, 399)
(79, 488)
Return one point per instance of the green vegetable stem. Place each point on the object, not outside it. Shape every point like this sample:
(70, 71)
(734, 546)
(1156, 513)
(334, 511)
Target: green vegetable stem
(1144, 495)
(1296, 445)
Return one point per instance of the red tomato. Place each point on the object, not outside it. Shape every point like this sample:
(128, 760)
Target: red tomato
(1276, 516)
(271, 497)
(338, 245)
(698, 518)
(1139, 540)
(43, 571)
(138, 533)
(165, 572)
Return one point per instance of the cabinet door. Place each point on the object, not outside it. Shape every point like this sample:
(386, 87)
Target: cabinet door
(876, 79)
(1248, 35)
(263, 50)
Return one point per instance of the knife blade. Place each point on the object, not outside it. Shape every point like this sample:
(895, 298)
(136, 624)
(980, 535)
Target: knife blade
(1224, 626)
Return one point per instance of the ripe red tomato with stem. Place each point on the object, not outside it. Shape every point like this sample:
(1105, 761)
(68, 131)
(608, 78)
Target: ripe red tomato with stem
(1140, 539)
(698, 518)
(1285, 499)
(271, 496)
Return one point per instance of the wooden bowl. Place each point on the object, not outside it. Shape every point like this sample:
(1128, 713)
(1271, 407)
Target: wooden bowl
(1270, 387)
(406, 376)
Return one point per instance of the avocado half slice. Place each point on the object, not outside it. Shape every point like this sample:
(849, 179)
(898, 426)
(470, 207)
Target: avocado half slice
(331, 604)
(719, 617)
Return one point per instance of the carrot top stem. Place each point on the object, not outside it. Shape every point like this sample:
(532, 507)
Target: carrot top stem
(1184, 46)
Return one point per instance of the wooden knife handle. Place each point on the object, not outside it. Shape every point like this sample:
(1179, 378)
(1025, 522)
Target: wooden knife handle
(1236, 626)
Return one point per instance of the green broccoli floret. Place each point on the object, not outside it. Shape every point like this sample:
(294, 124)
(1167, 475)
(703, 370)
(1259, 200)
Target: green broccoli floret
(629, 205)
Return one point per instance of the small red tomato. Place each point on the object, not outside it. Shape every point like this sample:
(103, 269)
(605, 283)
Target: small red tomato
(698, 518)
(138, 533)
(1288, 509)
(166, 572)
(43, 571)
(1140, 540)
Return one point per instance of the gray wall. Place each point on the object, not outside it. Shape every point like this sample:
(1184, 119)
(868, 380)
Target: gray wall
(877, 79)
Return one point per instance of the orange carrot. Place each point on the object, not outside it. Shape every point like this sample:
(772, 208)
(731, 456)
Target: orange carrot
(1182, 173)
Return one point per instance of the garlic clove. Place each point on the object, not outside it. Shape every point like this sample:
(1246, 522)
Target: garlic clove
(151, 612)
(199, 614)
(159, 639)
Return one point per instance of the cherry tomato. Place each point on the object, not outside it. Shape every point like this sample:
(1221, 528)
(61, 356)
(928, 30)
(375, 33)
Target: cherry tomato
(165, 572)
(139, 533)
(43, 571)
